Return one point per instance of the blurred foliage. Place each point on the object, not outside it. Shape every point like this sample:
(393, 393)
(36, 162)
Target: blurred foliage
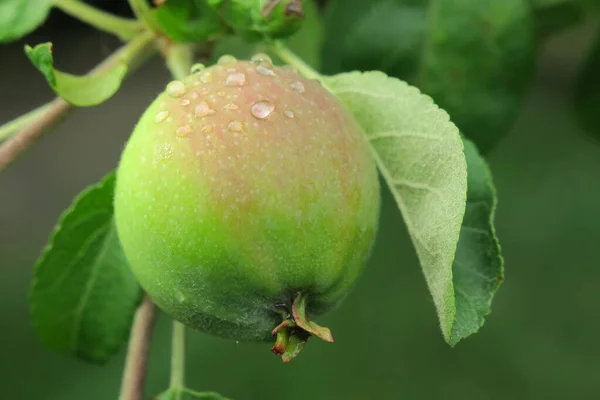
(587, 93)
(475, 58)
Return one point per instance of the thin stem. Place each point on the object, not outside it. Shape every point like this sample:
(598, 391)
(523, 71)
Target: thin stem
(134, 376)
(179, 60)
(19, 123)
(124, 28)
(289, 57)
(133, 53)
(143, 12)
(178, 356)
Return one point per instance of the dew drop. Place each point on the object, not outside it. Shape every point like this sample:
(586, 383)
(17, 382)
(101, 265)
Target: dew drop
(297, 87)
(204, 91)
(180, 296)
(221, 94)
(206, 77)
(235, 126)
(161, 116)
(185, 102)
(235, 79)
(288, 113)
(176, 89)
(262, 109)
(226, 60)
(203, 110)
(207, 128)
(231, 106)
(290, 69)
(262, 59)
(184, 130)
(197, 68)
(261, 69)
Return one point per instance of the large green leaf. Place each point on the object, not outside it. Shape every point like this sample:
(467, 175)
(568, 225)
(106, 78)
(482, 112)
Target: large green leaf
(420, 155)
(83, 295)
(20, 17)
(83, 91)
(474, 57)
(587, 92)
(478, 268)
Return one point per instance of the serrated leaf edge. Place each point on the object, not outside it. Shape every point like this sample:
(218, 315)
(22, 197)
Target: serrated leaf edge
(50, 245)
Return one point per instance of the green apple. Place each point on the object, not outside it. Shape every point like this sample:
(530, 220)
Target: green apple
(247, 201)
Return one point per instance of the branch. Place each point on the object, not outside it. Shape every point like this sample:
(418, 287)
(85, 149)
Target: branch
(178, 356)
(13, 147)
(134, 376)
(134, 53)
(143, 12)
(124, 28)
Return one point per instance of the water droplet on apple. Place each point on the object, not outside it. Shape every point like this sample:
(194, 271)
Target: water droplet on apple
(235, 79)
(262, 109)
(203, 110)
(161, 116)
(297, 87)
(197, 68)
(184, 130)
(235, 126)
(226, 60)
(175, 89)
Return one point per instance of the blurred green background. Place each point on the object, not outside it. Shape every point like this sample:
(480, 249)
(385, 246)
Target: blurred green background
(540, 342)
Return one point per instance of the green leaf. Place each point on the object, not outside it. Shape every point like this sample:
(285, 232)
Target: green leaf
(187, 394)
(20, 17)
(188, 21)
(587, 92)
(83, 91)
(475, 58)
(83, 295)
(420, 155)
(478, 268)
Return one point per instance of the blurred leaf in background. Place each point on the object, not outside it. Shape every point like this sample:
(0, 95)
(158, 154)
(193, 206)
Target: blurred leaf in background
(587, 92)
(475, 58)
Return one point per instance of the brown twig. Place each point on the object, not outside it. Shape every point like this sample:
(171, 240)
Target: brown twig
(17, 144)
(134, 375)
(133, 53)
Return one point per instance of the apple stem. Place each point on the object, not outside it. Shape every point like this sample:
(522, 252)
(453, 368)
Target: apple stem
(293, 332)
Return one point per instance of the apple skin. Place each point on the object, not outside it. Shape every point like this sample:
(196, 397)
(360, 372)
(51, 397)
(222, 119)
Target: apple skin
(241, 186)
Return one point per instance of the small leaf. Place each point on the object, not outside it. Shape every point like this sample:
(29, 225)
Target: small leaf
(420, 155)
(83, 295)
(83, 91)
(188, 21)
(587, 92)
(475, 58)
(20, 17)
(478, 266)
